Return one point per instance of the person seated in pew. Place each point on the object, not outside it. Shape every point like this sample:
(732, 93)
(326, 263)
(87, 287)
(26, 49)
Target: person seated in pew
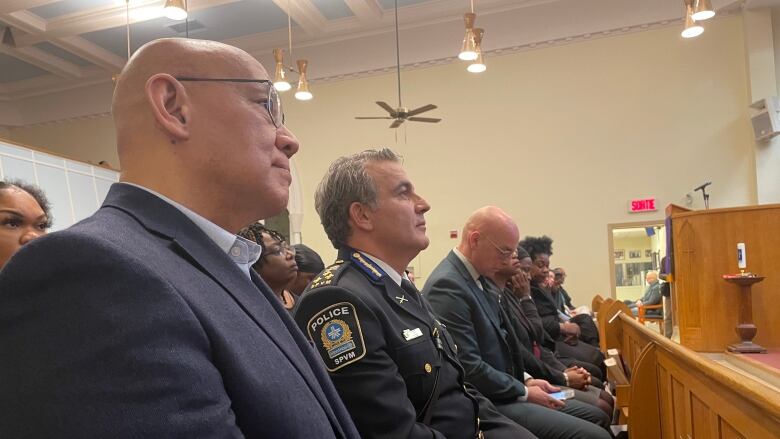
(24, 215)
(543, 363)
(652, 296)
(563, 298)
(589, 333)
(392, 362)
(565, 333)
(276, 264)
(309, 265)
(467, 301)
(532, 313)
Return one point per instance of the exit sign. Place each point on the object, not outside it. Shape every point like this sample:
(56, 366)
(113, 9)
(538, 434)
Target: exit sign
(642, 205)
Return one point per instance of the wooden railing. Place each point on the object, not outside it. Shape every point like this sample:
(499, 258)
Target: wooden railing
(677, 393)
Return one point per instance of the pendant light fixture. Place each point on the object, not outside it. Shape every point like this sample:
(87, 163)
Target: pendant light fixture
(281, 81)
(478, 66)
(280, 76)
(692, 28)
(468, 50)
(702, 10)
(175, 9)
(303, 93)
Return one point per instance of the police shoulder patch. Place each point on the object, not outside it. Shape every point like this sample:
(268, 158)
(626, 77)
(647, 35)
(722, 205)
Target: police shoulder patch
(336, 332)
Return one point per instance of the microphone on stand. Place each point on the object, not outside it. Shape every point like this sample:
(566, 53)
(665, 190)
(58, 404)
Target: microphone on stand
(703, 189)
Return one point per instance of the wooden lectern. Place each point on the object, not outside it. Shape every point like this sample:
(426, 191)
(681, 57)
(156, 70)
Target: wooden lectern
(704, 248)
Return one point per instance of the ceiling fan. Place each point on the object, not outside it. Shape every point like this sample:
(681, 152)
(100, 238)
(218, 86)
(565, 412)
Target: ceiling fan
(401, 114)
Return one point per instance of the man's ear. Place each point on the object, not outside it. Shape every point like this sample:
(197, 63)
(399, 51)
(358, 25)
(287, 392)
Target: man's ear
(360, 216)
(473, 238)
(170, 106)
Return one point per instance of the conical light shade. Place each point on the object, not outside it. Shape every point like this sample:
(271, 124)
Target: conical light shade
(468, 51)
(303, 93)
(702, 10)
(280, 76)
(692, 29)
(175, 9)
(478, 66)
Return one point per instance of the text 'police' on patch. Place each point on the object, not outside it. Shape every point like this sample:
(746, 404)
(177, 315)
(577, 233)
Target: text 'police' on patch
(337, 334)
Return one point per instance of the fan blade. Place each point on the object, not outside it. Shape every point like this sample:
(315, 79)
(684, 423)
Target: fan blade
(424, 119)
(422, 109)
(383, 117)
(386, 107)
(397, 123)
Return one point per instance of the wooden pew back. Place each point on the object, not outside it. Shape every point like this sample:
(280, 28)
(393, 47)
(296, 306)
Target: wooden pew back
(680, 394)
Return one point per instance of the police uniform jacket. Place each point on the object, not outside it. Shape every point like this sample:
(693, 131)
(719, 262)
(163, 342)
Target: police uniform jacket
(386, 353)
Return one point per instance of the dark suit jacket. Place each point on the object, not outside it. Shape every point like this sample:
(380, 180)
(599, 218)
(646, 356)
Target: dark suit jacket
(133, 323)
(544, 367)
(548, 311)
(483, 347)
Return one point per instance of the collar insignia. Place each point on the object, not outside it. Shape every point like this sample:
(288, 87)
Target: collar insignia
(372, 270)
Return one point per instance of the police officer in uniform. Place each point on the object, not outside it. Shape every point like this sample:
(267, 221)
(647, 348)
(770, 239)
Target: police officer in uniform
(394, 365)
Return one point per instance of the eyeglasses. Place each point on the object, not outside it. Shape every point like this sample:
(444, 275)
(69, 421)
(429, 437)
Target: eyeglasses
(281, 250)
(505, 254)
(273, 104)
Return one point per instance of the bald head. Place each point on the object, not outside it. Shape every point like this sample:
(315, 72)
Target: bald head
(489, 240)
(174, 57)
(212, 145)
(651, 277)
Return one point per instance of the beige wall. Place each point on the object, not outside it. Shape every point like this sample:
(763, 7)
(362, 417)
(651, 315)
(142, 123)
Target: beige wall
(560, 137)
(91, 139)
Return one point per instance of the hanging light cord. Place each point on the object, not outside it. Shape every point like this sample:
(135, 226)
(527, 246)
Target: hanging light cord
(472, 6)
(187, 20)
(127, 21)
(289, 30)
(397, 55)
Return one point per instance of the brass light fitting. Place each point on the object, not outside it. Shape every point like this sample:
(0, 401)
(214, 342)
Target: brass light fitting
(692, 29)
(478, 66)
(175, 9)
(303, 93)
(468, 50)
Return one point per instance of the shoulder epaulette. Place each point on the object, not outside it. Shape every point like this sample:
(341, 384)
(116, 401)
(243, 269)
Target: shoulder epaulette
(327, 275)
(366, 265)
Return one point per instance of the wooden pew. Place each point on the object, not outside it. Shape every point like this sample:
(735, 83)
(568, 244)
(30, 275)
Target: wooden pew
(680, 394)
(595, 304)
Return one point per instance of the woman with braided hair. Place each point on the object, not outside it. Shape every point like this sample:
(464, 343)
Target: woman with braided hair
(566, 334)
(277, 264)
(24, 216)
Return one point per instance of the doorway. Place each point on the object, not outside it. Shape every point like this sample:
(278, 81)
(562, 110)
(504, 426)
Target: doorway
(634, 249)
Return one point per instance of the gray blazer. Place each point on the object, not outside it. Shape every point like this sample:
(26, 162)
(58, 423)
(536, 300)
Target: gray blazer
(133, 323)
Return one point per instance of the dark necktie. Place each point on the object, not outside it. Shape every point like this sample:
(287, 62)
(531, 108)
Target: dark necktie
(410, 290)
(492, 297)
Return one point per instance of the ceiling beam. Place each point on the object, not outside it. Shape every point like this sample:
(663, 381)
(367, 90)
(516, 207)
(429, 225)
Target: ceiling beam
(305, 15)
(43, 60)
(25, 21)
(8, 6)
(106, 17)
(91, 52)
(367, 11)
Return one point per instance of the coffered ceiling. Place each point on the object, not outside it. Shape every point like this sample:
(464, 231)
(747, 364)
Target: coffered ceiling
(58, 45)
